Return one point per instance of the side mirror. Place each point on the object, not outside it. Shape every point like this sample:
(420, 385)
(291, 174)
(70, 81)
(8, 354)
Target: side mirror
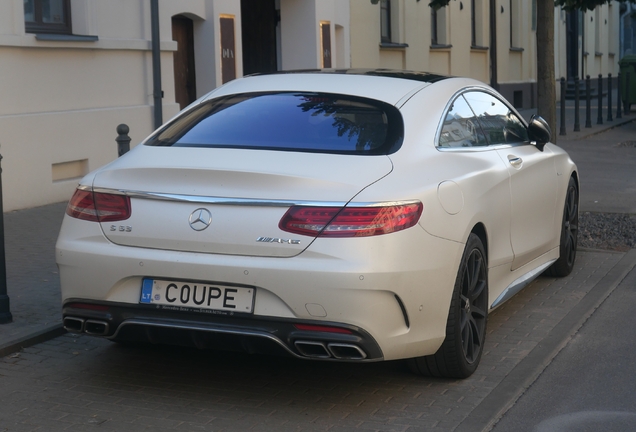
(539, 131)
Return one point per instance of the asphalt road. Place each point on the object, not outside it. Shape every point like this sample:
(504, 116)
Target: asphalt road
(606, 165)
(590, 385)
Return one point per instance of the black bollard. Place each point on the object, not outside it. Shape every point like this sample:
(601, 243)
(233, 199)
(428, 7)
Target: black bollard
(588, 102)
(562, 130)
(577, 120)
(609, 97)
(5, 310)
(123, 140)
(599, 118)
(627, 93)
(619, 114)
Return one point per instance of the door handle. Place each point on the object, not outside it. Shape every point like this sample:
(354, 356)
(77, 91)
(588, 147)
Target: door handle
(515, 161)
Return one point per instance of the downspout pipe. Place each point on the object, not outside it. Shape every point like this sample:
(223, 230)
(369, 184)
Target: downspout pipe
(621, 26)
(5, 310)
(156, 63)
(493, 45)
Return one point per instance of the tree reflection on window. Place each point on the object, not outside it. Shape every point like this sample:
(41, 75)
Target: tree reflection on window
(357, 120)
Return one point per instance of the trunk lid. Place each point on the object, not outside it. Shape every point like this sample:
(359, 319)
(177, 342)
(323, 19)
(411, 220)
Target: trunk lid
(242, 194)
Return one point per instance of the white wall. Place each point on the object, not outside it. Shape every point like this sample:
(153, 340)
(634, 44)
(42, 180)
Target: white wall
(62, 100)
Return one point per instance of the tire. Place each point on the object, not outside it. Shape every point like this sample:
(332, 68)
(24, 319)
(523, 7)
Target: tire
(569, 233)
(460, 353)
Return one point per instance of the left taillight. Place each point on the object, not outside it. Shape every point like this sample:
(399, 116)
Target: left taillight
(98, 206)
(350, 221)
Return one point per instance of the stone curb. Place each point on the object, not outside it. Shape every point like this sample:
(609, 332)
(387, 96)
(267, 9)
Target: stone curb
(31, 339)
(485, 415)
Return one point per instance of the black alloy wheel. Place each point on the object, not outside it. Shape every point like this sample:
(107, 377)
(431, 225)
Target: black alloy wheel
(569, 233)
(473, 306)
(461, 351)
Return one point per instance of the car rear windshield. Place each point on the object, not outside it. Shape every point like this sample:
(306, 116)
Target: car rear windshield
(308, 122)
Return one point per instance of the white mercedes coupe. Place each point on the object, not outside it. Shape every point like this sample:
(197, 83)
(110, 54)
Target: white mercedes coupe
(347, 215)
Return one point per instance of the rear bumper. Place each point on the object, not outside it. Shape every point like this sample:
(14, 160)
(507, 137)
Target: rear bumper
(143, 323)
(393, 290)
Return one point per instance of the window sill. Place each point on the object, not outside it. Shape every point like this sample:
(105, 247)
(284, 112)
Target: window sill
(440, 47)
(598, 54)
(479, 48)
(393, 45)
(516, 49)
(65, 37)
(29, 40)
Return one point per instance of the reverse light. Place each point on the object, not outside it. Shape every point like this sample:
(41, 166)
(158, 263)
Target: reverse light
(98, 207)
(350, 221)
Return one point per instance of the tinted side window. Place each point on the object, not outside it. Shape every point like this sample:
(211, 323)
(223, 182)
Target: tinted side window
(460, 128)
(499, 123)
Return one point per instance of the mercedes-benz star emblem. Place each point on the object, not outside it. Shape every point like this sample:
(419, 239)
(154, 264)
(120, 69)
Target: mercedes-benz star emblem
(200, 219)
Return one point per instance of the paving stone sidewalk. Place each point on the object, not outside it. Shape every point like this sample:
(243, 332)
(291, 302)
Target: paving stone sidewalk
(33, 283)
(81, 383)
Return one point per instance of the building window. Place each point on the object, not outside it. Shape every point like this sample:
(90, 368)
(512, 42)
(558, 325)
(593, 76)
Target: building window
(385, 21)
(47, 16)
(476, 23)
(612, 35)
(473, 24)
(438, 26)
(515, 24)
(597, 31)
(434, 26)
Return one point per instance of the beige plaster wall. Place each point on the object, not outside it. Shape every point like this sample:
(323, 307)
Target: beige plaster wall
(62, 100)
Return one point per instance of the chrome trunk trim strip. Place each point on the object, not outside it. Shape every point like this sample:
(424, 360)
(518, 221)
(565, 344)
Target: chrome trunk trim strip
(252, 202)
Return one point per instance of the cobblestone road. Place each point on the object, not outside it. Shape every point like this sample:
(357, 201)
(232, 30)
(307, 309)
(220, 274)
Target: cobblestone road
(80, 383)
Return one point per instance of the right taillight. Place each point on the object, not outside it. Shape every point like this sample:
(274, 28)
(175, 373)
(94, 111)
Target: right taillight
(98, 206)
(350, 221)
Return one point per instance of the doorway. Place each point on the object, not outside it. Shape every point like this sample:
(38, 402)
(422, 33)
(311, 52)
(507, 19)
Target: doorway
(259, 19)
(184, 75)
(572, 44)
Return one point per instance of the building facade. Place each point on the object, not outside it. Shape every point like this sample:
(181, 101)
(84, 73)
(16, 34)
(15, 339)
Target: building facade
(72, 70)
(459, 40)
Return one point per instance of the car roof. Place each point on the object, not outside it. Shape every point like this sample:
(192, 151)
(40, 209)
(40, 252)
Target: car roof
(387, 85)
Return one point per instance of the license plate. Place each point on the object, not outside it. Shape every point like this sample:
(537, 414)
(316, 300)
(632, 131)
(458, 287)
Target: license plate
(196, 295)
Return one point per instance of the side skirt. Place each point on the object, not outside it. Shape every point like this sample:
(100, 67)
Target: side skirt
(520, 283)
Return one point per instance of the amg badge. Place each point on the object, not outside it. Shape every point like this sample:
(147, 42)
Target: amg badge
(277, 240)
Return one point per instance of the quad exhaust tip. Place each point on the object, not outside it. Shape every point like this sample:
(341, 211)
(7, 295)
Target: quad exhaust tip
(91, 327)
(74, 325)
(322, 350)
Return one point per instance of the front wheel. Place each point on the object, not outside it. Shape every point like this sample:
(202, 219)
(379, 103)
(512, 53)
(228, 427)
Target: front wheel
(461, 350)
(569, 233)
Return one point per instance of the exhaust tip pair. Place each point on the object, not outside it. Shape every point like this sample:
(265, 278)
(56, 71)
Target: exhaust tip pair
(91, 327)
(323, 350)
